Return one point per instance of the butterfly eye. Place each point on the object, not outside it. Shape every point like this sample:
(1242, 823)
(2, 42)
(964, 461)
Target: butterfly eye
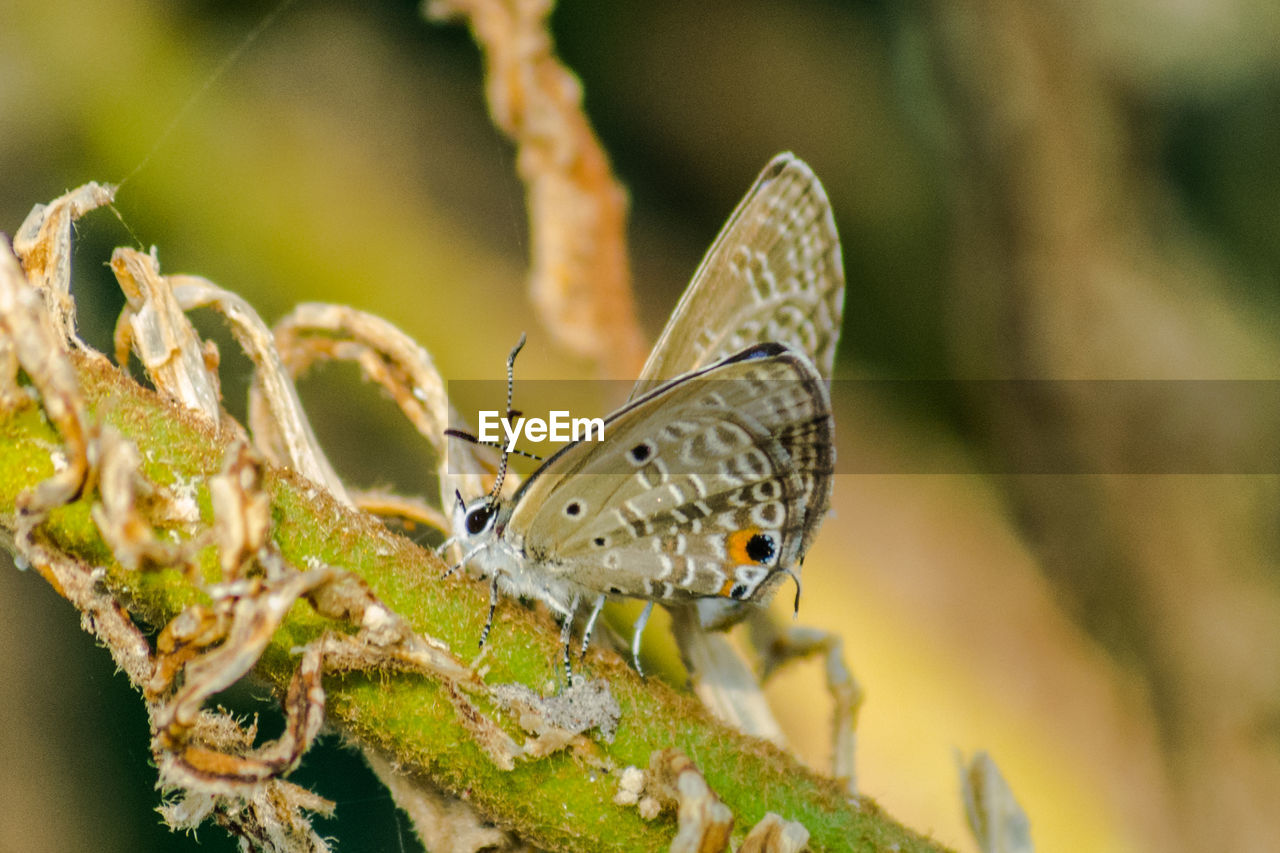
(478, 519)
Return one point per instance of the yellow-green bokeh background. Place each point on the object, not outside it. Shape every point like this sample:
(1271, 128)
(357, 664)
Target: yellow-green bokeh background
(1110, 640)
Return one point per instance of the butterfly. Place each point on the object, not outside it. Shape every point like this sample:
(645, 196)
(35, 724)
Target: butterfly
(713, 478)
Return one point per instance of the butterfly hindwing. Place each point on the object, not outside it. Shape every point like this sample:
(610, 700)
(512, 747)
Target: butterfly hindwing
(704, 487)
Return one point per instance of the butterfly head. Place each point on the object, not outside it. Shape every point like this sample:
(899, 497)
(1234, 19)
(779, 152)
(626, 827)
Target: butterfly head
(474, 521)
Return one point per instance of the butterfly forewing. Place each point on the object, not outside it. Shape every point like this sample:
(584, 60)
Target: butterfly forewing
(774, 273)
(704, 487)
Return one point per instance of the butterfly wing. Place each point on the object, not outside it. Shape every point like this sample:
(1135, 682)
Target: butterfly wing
(703, 487)
(774, 273)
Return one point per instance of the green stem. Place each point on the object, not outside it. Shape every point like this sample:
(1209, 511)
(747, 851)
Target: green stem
(561, 802)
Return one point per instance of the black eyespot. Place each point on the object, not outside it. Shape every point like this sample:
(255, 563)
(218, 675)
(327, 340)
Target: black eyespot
(478, 519)
(599, 542)
(613, 590)
(760, 548)
(640, 452)
(738, 591)
(573, 509)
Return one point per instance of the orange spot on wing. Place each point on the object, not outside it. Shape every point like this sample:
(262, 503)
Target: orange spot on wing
(735, 545)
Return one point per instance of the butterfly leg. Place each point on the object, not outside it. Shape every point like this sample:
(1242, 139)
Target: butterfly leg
(493, 606)
(466, 558)
(591, 624)
(566, 636)
(635, 638)
(444, 546)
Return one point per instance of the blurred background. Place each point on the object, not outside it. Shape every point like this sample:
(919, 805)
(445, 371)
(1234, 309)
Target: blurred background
(1032, 191)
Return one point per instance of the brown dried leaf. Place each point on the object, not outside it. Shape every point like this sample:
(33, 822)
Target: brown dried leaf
(161, 335)
(38, 345)
(998, 823)
(118, 515)
(284, 435)
(213, 760)
(248, 612)
(775, 835)
(705, 823)
(230, 780)
(317, 332)
(43, 242)
(779, 644)
(268, 811)
(580, 280)
(241, 511)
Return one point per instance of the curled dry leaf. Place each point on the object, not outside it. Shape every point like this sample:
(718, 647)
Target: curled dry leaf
(997, 821)
(36, 343)
(43, 242)
(775, 835)
(281, 430)
(315, 332)
(269, 810)
(704, 822)
(243, 616)
(271, 818)
(779, 644)
(241, 510)
(124, 527)
(162, 337)
(217, 756)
